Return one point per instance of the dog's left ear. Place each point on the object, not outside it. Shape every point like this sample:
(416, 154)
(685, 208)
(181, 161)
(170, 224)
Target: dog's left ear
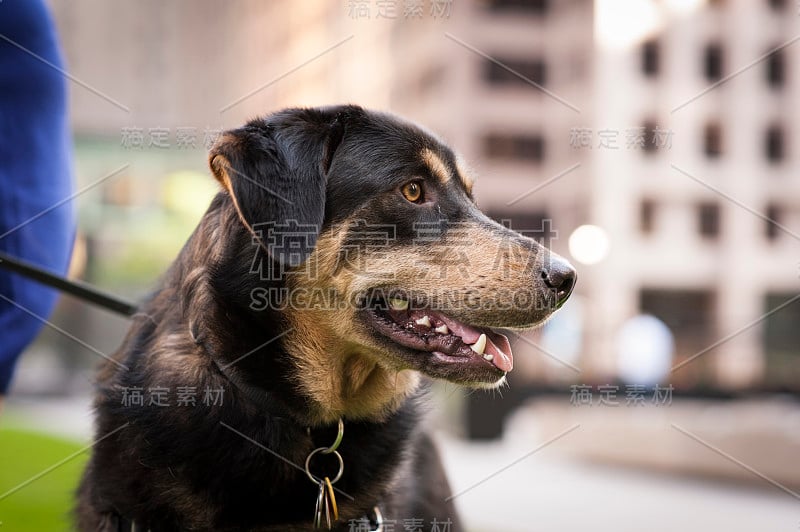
(275, 170)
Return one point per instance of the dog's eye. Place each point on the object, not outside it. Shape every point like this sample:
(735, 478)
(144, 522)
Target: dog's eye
(412, 191)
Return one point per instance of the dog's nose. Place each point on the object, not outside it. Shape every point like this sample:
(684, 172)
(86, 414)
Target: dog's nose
(560, 276)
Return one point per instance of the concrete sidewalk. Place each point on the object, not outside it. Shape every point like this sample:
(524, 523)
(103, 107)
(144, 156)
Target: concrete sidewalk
(553, 489)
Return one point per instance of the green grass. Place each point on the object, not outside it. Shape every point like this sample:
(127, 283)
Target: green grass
(45, 503)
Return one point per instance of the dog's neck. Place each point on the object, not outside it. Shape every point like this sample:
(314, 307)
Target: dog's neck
(342, 379)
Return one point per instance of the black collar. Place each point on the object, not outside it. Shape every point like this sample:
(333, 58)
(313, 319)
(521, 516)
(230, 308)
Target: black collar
(259, 396)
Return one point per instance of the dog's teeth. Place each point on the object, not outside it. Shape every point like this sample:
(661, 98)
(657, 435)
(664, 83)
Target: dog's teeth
(488, 356)
(442, 329)
(479, 345)
(398, 304)
(424, 320)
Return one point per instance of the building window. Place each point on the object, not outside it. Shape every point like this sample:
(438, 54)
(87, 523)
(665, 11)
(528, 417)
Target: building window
(773, 216)
(776, 75)
(780, 339)
(713, 62)
(650, 58)
(515, 147)
(650, 141)
(647, 214)
(689, 314)
(774, 144)
(495, 74)
(712, 140)
(535, 7)
(708, 220)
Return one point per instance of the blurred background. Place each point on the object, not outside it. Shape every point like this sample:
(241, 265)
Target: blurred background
(652, 142)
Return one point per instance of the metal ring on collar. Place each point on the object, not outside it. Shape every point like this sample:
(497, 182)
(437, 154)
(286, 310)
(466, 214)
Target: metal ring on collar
(339, 436)
(316, 480)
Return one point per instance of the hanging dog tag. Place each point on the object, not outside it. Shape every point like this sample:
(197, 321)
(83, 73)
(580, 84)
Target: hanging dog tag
(332, 499)
(319, 507)
(326, 505)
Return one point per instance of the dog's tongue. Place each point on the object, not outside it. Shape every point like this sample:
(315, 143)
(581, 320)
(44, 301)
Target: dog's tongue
(496, 343)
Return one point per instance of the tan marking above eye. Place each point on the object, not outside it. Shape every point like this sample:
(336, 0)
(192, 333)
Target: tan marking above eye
(465, 173)
(436, 165)
(412, 191)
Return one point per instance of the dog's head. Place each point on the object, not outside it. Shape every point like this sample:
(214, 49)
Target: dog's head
(370, 223)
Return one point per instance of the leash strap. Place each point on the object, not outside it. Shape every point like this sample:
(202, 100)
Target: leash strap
(76, 288)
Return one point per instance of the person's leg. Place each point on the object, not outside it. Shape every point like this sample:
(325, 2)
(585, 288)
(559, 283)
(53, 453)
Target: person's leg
(35, 171)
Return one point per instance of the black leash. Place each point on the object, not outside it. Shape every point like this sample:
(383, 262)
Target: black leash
(76, 288)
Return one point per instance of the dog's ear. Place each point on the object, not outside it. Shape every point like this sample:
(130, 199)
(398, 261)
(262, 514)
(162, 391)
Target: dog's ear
(275, 170)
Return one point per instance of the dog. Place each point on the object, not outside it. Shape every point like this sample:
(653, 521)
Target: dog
(342, 266)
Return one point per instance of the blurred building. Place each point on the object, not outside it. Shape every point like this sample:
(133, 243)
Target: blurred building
(571, 112)
(704, 228)
(199, 63)
(687, 178)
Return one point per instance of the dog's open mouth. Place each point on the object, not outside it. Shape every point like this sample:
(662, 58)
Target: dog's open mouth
(446, 339)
